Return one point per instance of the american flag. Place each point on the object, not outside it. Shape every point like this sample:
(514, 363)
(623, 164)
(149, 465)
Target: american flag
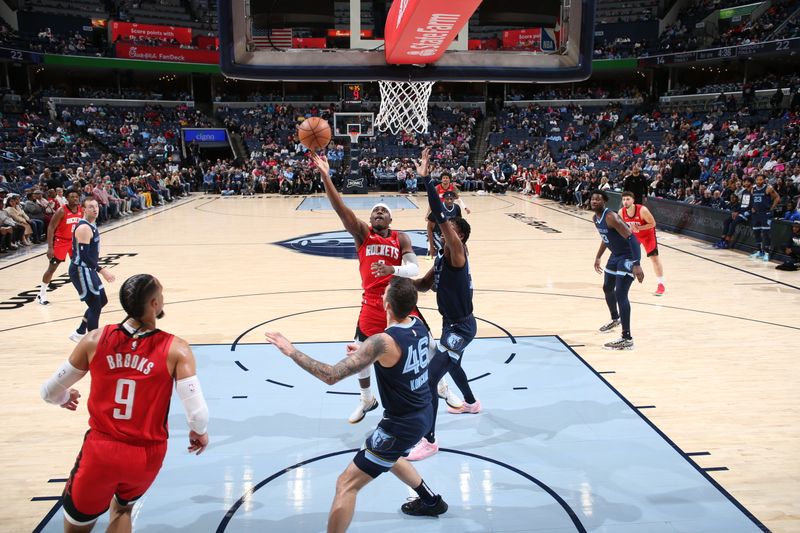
(265, 38)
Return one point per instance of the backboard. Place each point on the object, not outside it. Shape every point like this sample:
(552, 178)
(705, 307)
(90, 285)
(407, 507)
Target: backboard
(325, 40)
(354, 125)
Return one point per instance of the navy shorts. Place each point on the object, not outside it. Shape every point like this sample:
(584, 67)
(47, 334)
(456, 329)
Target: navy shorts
(761, 221)
(392, 439)
(619, 265)
(456, 336)
(86, 282)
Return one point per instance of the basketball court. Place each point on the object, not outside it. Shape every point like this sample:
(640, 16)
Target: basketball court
(691, 431)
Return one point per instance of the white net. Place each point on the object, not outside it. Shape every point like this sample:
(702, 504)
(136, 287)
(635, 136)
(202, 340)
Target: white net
(404, 106)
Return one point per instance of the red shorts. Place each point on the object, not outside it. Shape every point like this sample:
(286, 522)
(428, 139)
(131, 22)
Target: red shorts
(648, 241)
(104, 468)
(372, 319)
(61, 249)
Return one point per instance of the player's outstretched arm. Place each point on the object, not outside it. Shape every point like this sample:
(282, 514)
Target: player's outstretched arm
(352, 224)
(367, 353)
(190, 393)
(57, 390)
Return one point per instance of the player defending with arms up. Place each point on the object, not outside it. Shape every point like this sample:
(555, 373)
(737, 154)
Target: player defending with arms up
(134, 367)
(382, 253)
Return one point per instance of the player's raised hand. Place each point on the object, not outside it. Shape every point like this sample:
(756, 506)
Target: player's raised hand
(422, 162)
(197, 442)
(281, 343)
(72, 403)
(320, 161)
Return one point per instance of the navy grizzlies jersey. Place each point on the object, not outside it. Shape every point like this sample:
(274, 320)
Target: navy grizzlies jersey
(746, 202)
(761, 200)
(93, 250)
(404, 387)
(453, 288)
(614, 241)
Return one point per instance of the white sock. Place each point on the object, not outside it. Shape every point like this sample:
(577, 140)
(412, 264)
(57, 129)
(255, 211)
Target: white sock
(660, 279)
(366, 393)
(43, 291)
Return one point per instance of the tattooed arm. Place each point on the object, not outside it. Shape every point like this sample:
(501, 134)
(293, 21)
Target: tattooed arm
(371, 350)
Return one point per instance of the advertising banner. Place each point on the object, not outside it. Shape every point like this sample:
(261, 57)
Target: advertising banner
(165, 53)
(127, 30)
(531, 40)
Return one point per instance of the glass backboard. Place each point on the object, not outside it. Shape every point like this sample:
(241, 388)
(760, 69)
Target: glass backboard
(323, 40)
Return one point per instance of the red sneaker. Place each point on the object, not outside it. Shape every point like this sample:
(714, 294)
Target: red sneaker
(660, 290)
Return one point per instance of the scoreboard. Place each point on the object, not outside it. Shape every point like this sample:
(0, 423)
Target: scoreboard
(353, 93)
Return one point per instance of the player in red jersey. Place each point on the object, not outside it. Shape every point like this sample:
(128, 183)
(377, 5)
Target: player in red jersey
(643, 224)
(59, 239)
(382, 253)
(133, 367)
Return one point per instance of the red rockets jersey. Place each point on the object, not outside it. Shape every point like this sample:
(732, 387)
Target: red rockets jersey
(374, 249)
(441, 190)
(131, 386)
(637, 218)
(66, 227)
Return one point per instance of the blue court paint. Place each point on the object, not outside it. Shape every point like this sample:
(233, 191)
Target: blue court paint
(357, 203)
(598, 465)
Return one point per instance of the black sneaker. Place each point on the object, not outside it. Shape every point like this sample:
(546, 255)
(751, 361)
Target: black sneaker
(608, 326)
(417, 507)
(619, 344)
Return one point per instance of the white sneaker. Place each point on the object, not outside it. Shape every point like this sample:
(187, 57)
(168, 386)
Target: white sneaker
(76, 337)
(365, 405)
(42, 301)
(448, 396)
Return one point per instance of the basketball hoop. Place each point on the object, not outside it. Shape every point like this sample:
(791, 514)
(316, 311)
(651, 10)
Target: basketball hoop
(354, 135)
(404, 106)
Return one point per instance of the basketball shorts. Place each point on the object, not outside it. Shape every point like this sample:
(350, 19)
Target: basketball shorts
(61, 249)
(619, 265)
(761, 221)
(649, 243)
(104, 468)
(86, 282)
(372, 318)
(392, 439)
(456, 336)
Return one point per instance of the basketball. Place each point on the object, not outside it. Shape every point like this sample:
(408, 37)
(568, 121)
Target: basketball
(314, 133)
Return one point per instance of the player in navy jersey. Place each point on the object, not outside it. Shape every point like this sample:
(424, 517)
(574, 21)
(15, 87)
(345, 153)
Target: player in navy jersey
(620, 270)
(764, 201)
(84, 268)
(401, 357)
(450, 277)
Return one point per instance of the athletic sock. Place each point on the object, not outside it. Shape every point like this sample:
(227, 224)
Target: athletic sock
(660, 279)
(425, 494)
(627, 335)
(43, 291)
(366, 393)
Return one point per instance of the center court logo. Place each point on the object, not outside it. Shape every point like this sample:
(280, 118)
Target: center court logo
(341, 244)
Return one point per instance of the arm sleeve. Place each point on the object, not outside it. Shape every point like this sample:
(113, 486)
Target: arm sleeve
(636, 252)
(437, 208)
(56, 389)
(193, 403)
(409, 268)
